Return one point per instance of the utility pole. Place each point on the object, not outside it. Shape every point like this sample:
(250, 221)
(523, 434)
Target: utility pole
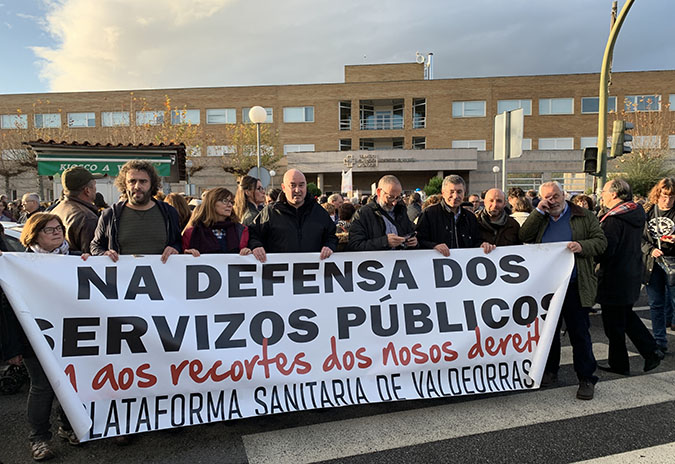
(604, 91)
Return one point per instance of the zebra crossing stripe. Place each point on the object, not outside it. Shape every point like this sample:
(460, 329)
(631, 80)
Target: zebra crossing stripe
(661, 453)
(339, 439)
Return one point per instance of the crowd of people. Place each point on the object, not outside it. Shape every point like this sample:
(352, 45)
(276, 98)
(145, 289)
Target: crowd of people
(617, 243)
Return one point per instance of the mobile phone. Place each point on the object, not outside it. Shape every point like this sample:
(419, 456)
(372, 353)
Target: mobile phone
(410, 235)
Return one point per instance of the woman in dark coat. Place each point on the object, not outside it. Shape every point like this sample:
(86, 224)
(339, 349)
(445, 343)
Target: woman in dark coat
(214, 227)
(43, 233)
(619, 279)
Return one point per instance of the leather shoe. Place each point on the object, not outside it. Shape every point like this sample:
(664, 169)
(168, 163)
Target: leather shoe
(653, 361)
(612, 370)
(586, 390)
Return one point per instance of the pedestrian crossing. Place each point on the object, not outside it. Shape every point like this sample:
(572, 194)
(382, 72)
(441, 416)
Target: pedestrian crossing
(385, 432)
(653, 454)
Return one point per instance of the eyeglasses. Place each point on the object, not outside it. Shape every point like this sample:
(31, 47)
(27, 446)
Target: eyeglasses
(392, 198)
(51, 230)
(260, 189)
(227, 201)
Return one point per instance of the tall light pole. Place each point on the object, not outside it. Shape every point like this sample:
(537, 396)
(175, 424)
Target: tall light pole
(496, 170)
(258, 115)
(603, 94)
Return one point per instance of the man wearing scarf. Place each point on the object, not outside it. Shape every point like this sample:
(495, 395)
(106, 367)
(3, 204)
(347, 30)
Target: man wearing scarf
(619, 278)
(495, 226)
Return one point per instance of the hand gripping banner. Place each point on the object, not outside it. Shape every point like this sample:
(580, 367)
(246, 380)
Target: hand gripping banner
(138, 345)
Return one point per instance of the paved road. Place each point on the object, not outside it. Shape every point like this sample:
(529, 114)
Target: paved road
(632, 419)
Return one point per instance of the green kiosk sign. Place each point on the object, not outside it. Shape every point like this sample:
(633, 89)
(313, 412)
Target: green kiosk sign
(53, 165)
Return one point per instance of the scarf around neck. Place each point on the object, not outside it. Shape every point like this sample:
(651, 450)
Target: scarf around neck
(63, 249)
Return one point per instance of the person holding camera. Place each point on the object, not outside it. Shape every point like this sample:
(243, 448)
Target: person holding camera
(383, 223)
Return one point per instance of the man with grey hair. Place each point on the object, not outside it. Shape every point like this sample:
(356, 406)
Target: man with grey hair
(383, 223)
(31, 205)
(446, 224)
(557, 220)
(619, 279)
(337, 201)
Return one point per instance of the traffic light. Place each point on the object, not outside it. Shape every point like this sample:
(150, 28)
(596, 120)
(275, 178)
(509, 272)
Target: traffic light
(619, 138)
(591, 160)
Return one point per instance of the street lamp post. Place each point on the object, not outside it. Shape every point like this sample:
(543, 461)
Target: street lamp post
(188, 187)
(257, 115)
(496, 170)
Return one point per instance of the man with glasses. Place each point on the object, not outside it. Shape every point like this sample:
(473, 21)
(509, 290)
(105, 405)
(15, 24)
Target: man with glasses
(383, 223)
(294, 223)
(446, 224)
(31, 205)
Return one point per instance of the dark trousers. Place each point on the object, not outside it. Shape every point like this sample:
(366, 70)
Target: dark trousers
(40, 398)
(618, 322)
(578, 325)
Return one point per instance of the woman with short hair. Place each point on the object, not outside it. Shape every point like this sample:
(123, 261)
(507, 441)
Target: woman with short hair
(42, 233)
(214, 227)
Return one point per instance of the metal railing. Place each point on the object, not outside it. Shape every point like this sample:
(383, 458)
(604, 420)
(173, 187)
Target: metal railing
(392, 124)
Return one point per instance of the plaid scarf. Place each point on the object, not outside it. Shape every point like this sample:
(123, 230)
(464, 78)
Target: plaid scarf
(620, 209)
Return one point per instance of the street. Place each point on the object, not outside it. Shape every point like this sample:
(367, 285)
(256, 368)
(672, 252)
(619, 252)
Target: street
(632, 415)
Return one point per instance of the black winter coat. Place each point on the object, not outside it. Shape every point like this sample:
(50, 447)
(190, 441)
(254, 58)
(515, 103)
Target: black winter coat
(435, 225)
(368, 230)
(620, 266)
(282, 228)
(105, 236)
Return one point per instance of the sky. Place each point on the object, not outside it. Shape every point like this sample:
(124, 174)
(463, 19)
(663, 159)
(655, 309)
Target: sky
(77, 45)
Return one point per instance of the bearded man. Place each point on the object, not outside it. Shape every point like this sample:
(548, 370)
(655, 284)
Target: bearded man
(138, 224)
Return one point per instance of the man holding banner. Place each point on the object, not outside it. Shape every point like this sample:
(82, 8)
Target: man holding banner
(557, 220)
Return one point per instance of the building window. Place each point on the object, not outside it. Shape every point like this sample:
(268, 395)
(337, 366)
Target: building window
(671, 101)
(47, 120)
(671, 141)
(477, 144)
(510, 105)
(419, 113)
(592, 142)
(299, 114)
(150, 118)
(366, 144)
(647, 141)
(219, 150)
(245, 119)
(345, 144)
(14, 121)
(556, 106)
(221, 116)
(114, 118)
(381, 114)
(15, 154)
(345, 108)
(468, 109)
(560, 143)
(81, 119)
(419, 143)
(297, 148)
(527, 144)
(185, 117)
(634, 103)
(591, 105)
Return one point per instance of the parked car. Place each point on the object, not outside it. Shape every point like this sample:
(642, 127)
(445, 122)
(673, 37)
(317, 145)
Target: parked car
(12, 234)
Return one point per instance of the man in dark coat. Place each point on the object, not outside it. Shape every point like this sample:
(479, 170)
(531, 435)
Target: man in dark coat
(497, 227)
(294, 223)
(447, 225)
(619, 277)
(383, 223)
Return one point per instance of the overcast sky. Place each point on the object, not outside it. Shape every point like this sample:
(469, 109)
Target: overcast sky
(73, 45)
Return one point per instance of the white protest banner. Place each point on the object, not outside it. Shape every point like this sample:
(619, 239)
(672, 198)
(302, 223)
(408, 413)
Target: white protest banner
(138, 345)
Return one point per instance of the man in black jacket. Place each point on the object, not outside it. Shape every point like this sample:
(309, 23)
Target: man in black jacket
(294, 223)
(447, 225)
(139, 224)
(619, 279)
(383, 223)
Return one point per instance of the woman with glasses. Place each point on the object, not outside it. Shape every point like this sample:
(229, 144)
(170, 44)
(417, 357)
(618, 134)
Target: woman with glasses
(250, 196)
(43, 233)
(658, 241)
(214, 227)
